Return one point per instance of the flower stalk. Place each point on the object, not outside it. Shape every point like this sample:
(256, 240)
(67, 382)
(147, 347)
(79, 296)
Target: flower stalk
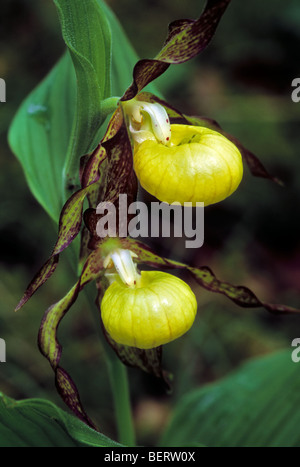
(121, 396)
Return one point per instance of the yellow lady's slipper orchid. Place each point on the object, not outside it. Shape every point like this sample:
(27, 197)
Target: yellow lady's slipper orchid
(181, 163)
(200, 165)
(159, 309)
(145, 310)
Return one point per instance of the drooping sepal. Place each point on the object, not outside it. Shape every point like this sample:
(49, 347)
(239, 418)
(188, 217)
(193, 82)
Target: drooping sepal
(49, 344)
(119, 177)
(40, 278)
(240, 295)
(186, 39)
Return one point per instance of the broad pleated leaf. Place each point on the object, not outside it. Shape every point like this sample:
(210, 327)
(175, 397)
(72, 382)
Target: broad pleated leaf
(87, 34)
(42, 133)
(124, 56)
(256, 406)
(40, 423)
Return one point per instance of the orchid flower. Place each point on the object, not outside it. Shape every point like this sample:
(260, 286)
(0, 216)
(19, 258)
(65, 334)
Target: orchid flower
(176, 158)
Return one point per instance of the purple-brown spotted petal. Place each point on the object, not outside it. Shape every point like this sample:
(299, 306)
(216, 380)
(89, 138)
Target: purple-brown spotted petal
(71, 216)
(49, 344)
(186, 39)
(240, 295)
(40, 278)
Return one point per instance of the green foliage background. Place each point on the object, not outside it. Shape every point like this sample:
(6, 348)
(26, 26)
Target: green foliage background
(243, 81)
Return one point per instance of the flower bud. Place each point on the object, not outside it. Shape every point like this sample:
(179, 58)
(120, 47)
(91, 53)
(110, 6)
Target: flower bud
(200, 165)
(159, 309)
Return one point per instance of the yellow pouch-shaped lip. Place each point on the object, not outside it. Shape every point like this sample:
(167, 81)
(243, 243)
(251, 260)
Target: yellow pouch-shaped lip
(160, 309)
(200, 165)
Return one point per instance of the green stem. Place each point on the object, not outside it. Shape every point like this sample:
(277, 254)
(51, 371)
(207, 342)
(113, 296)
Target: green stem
(71, 168)
(109, 105)
(120, 387)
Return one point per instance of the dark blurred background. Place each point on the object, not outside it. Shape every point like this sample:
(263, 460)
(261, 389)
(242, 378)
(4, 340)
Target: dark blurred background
(243, 80)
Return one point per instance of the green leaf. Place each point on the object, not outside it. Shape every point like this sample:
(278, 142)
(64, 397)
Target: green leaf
(42, 132)
(39, 423)
(87, 34)
(257, 406)
(124, 56)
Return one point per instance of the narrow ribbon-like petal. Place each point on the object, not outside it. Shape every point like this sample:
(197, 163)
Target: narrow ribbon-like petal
(40, 278)
(69, 227)
(71, 216)
(240, 295)
(121, 179)
(186, 39)
(49, 344)
(84, 247)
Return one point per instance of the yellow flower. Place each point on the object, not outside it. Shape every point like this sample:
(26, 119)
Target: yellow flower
(154, 309)
(200, 165)
(181, 163)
